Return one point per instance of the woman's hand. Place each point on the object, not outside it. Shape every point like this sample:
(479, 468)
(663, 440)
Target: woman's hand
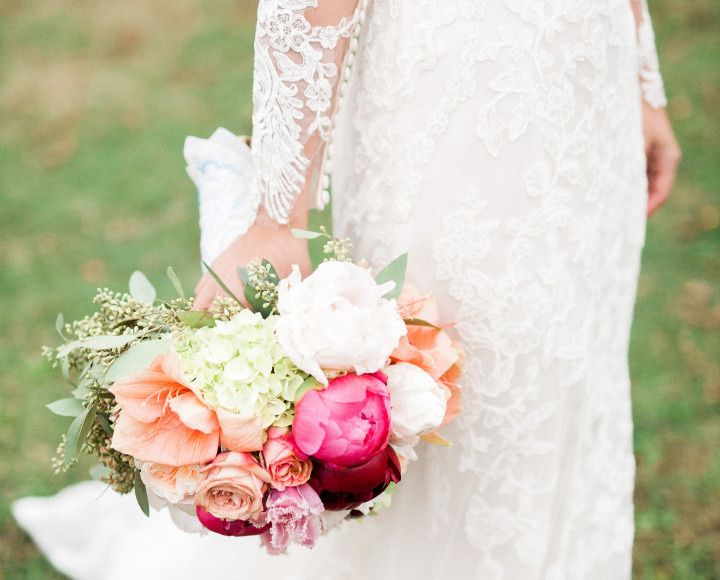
(265, 239)
(663, 155)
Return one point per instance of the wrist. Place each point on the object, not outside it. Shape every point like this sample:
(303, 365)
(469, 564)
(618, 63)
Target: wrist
(297, 219)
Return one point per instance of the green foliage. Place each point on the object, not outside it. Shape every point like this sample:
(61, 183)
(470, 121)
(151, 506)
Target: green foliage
(141, 494)
(222, 284)
(261, 286)
(308, 384)
(137, 358)
(141, 289)
(176, 282)
(196, 318)
(78, 432)
(394, 272)
(71, 407)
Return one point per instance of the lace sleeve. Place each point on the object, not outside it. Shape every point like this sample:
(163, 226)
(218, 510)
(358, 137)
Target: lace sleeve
(301, 52)
(651, 82)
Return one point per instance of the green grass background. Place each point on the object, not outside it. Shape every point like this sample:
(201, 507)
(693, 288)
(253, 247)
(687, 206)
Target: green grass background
(96, 98)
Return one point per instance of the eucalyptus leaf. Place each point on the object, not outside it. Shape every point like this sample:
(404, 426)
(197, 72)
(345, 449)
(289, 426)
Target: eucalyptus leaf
(60, 325)
(65, 367)
(78, 432)
(141, 494)
(88, 373)
(66, 407)
(81, 391)
(394, 272)
(420, 322)
(308, 384)
(98, 471)
(222, 284)
(255, 302)
(100, 342)
(175, 282)
(306, 234)
(105, 424)
(196, 318)
(271, 270)
(251, 294)
(137, 358)
(141, 289)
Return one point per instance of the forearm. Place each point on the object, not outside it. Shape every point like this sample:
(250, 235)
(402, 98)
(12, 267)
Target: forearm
(300, 53)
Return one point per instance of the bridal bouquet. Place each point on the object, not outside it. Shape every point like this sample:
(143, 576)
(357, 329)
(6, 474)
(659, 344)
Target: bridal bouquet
(280, 415)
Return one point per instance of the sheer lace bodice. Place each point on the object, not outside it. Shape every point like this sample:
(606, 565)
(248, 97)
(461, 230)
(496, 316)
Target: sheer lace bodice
(651, 82)
(301, 56)
(300, 53)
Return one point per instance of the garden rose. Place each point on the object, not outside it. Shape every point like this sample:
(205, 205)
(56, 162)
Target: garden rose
(346, 423)
(450, 382)
(418, 403)
(170, 483)
(285, 463)
(294, 516)
(233, 488)
(337, 320)
(345, 488)
(429, 348)
(228, 527)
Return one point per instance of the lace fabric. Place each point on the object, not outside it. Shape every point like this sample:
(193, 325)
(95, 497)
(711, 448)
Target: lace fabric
(651, 81)
(298, 67)
(500, 144)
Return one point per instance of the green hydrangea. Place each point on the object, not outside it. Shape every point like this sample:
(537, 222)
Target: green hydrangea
(239, 366)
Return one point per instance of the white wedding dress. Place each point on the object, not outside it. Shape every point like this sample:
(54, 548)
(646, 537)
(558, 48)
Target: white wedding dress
(500, 142)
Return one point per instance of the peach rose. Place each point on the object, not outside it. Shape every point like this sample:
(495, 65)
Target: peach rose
(286, 464)
(233, 488)
(429, 348)
(170, 483)
(450, 382)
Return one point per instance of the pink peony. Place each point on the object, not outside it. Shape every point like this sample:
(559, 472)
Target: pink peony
(346, 423)
(294, 517)
(228, 527)
(286, 464)
(345, 488)
(234, 487)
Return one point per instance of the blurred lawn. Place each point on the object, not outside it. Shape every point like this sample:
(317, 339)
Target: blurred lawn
(96, 98)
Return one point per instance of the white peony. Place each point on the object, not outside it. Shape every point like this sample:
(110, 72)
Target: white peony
(417, 403)
(337, 320)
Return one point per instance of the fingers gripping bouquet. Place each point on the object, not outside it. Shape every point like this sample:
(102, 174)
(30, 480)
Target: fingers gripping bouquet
(277, 420)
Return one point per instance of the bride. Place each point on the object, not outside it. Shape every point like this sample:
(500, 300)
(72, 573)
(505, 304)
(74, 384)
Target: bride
(514, 148)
